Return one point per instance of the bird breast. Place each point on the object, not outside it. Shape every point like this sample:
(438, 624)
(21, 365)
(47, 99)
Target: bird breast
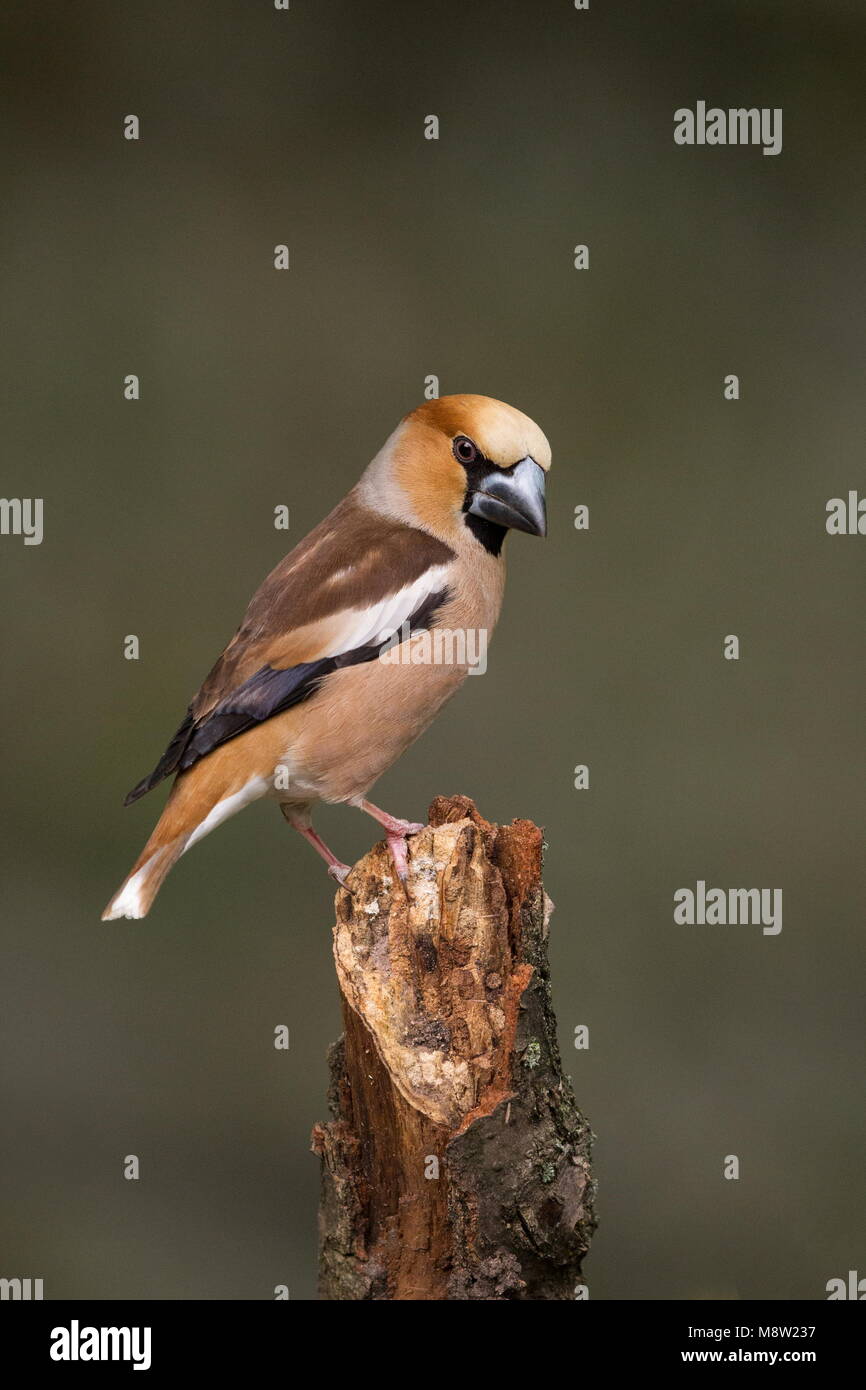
(364, 717)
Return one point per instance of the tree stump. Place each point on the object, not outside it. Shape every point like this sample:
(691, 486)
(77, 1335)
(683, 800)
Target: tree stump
(455, 1164)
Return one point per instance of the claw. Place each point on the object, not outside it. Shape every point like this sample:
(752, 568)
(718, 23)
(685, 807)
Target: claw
(397, 846)
(408, 827)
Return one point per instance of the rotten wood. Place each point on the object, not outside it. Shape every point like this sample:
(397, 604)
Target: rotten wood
(455, 1164)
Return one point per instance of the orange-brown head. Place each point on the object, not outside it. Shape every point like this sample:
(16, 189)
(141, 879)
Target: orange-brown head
(463, 466)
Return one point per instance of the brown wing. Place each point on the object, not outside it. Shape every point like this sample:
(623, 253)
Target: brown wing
(308, 618)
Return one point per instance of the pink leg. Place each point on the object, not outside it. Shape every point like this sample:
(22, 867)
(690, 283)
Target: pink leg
(391, 824)
(396, 831)
(336, 869)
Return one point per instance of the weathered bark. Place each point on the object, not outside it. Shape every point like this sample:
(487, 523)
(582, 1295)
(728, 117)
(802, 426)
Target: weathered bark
(456, 1163)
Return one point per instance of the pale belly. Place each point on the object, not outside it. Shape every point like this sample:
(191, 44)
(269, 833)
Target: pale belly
(341, 740)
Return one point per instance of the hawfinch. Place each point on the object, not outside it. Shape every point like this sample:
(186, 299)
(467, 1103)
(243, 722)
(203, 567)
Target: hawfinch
(334, 671)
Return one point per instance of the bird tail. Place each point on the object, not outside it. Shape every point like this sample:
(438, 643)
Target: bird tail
(134, 898)
(171, 835)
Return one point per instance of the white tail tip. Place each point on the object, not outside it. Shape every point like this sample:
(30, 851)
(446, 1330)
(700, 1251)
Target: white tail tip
(128, 902)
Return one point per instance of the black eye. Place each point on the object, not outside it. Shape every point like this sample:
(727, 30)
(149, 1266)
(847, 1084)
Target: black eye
(464, 450)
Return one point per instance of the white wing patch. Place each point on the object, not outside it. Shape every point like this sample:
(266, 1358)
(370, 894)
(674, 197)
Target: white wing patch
(370, 626)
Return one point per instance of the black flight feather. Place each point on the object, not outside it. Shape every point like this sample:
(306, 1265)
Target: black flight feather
(266, 693)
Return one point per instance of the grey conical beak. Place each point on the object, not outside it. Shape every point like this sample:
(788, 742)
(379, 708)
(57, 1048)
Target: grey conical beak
(513, 498)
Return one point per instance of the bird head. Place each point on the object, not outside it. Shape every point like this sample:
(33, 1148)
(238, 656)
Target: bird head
(466, 468)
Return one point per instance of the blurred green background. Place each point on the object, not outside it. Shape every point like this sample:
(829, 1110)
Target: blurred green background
(411, 257)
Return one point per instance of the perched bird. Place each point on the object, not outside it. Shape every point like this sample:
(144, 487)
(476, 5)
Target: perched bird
(315, 696)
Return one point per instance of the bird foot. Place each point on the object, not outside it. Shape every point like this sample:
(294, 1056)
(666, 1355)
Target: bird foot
(340, 872)
(407, 827)
(392, 825)
(397, 846)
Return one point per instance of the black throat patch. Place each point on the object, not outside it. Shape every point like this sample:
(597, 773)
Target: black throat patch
(487, 533)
